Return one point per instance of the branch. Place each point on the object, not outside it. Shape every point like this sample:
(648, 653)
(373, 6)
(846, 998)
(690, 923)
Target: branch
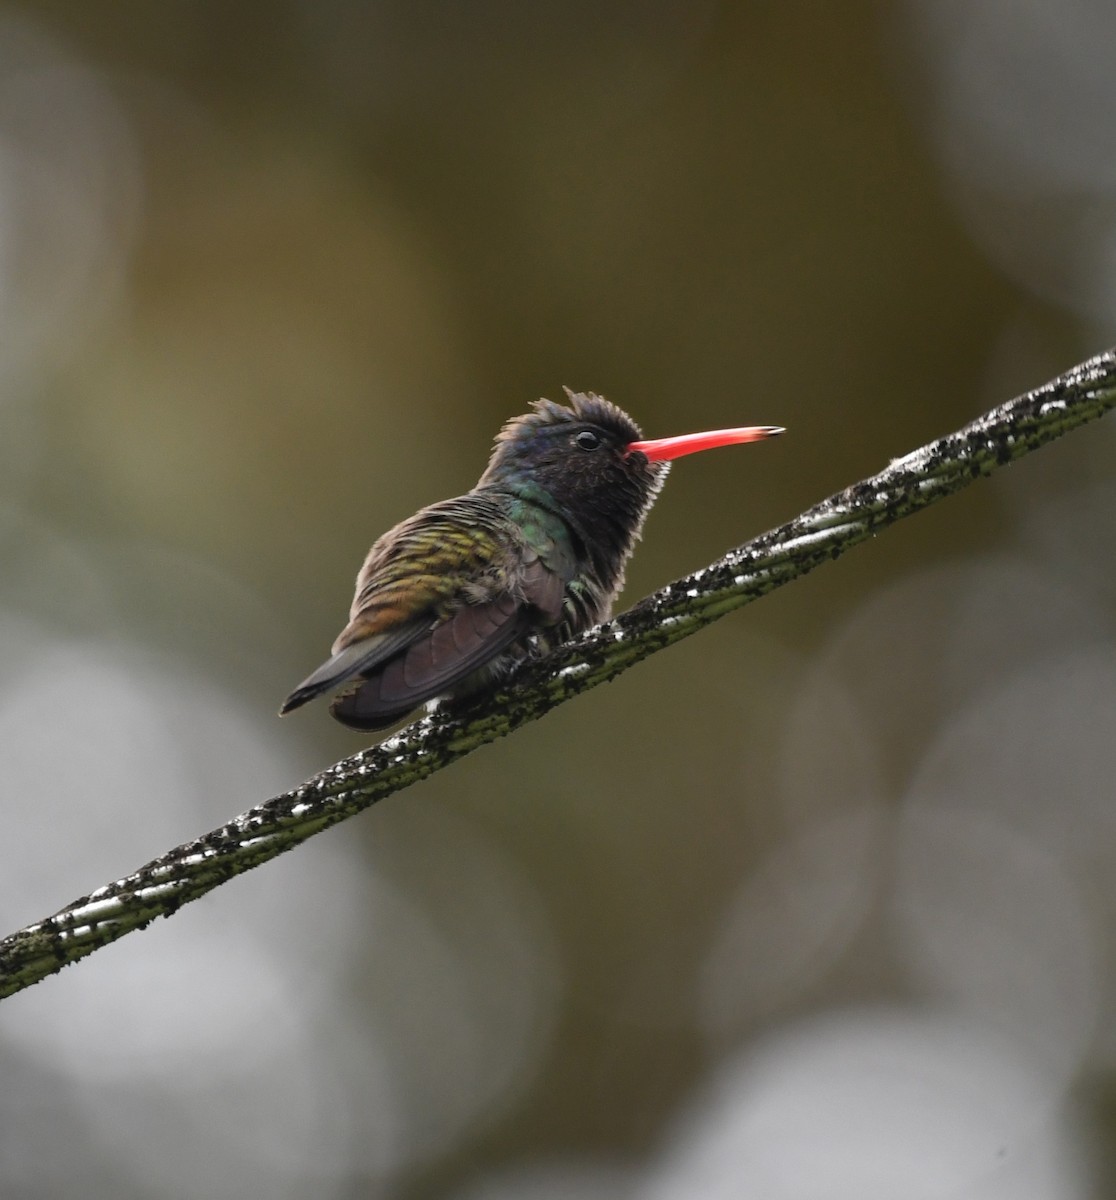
(821, 533)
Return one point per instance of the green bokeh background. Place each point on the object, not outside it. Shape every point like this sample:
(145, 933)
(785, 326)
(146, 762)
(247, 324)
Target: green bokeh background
(364, 236)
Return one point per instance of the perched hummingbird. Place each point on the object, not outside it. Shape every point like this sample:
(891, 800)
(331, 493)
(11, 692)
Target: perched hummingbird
(450, 599)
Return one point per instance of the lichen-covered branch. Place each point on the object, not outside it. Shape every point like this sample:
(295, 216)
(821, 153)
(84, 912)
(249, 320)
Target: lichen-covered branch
(823, 532)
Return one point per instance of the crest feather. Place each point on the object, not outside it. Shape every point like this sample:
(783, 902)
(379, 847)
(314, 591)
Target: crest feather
(584, 408)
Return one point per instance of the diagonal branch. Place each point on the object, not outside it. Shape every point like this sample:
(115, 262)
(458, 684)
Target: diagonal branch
(823, 532)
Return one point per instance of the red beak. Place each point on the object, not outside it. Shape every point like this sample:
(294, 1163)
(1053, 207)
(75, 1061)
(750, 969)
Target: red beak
(665, 449)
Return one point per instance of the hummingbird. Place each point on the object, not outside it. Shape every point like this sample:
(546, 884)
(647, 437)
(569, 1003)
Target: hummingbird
(452, 598)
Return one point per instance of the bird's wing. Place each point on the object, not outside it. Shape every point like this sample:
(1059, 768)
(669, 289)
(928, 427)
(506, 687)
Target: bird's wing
(438, 596)
(456, 647)
(353, 659)
(451, 651)
(544, 589)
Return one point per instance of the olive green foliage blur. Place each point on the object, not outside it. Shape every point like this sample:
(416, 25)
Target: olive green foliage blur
(329, 248)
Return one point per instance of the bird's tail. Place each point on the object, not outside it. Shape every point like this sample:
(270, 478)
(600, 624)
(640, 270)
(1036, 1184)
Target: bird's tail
(349, 661)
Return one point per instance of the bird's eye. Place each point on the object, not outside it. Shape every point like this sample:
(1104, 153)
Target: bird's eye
(587, 440)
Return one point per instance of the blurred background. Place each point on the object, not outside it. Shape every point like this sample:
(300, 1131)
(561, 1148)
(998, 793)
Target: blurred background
(819, 905)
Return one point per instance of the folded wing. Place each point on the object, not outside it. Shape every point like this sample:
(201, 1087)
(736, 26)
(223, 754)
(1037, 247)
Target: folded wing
(437, 599)
(447, 654)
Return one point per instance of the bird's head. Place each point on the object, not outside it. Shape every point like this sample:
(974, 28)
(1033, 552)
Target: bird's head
(576, 454)
(589, 456)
